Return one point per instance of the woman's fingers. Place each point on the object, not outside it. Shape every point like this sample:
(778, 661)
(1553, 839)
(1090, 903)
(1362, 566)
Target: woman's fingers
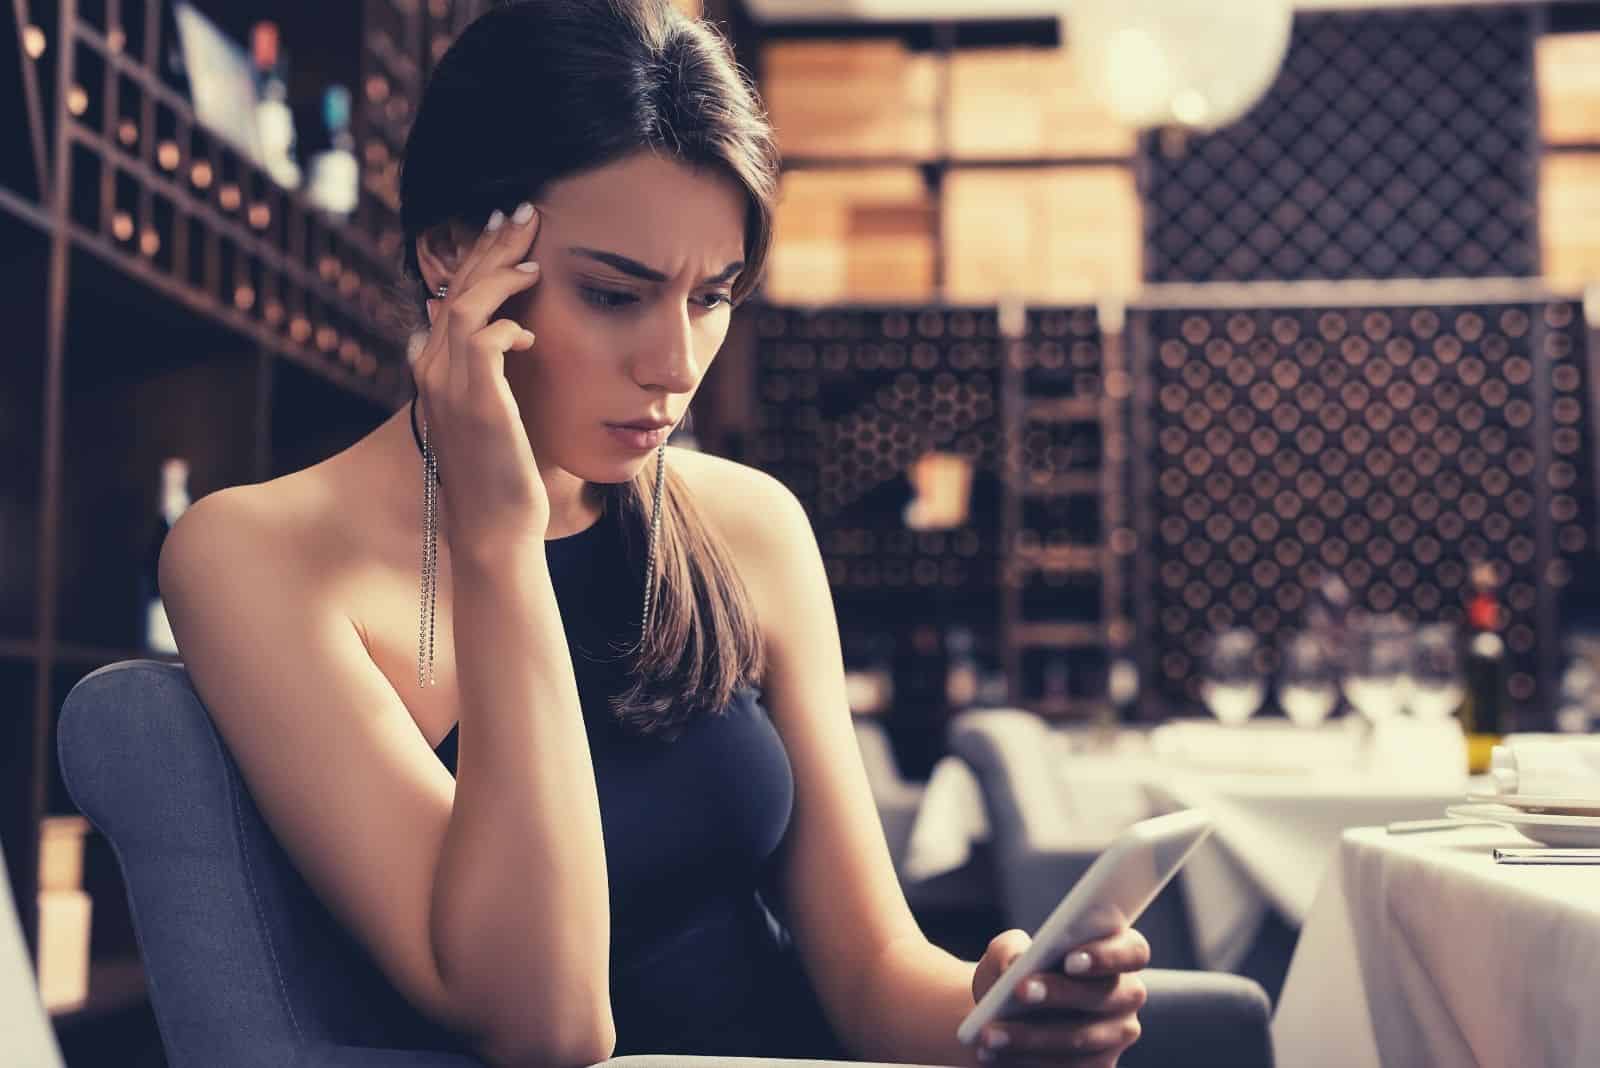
(1062, 1040)
(1106, 995)
(471, 314)
(491, 233)
(1125, 951)
(508, 243)
(482, 360)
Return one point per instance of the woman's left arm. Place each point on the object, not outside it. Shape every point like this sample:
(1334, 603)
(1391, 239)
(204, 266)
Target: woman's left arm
(889, 993)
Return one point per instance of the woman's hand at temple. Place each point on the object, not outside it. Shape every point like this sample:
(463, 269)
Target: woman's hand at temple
(1084, 1015)
(492, 490)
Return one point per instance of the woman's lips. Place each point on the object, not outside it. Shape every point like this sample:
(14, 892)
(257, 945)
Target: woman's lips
(639, 440)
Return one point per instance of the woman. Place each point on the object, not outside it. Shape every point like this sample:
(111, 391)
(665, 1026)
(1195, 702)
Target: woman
(551, 807)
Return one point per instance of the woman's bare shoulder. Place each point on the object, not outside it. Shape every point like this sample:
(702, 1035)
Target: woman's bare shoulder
(290, 529)
(752, 510)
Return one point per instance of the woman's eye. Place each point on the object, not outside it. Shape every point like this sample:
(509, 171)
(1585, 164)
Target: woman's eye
(612, 299)
(607, 298)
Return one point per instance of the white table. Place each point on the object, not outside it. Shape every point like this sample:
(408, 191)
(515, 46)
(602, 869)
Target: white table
(1277, 825)
(1421, 950)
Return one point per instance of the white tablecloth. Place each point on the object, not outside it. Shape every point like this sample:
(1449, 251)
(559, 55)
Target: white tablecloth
(1421, 950)
(1277, 826)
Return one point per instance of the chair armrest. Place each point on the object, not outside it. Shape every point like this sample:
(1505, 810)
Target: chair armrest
(662, 1060)
(329, 1055)
(1195, 1018)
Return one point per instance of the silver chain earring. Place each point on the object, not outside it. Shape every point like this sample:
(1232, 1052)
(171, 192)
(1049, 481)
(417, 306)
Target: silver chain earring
(655, 532)
(430, 551)
(430, 558)
(430, 540)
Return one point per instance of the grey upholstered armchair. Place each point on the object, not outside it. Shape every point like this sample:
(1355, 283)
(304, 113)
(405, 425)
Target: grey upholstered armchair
(1039, 853)
(245, 967)
(968, 889)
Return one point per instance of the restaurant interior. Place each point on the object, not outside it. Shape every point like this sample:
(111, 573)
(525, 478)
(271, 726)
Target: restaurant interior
(1193, 405)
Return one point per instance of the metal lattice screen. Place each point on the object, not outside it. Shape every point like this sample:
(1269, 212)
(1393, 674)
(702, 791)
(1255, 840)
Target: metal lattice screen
(1393, 145)
(1391, 445)
(849, 399)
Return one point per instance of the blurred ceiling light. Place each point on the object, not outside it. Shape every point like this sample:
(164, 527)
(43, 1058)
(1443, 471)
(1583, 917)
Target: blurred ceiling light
(1176, 63)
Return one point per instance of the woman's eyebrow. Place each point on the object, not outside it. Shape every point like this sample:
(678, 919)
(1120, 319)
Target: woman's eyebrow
(649, 274)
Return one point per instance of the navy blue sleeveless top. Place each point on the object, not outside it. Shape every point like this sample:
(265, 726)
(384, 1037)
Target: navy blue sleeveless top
(695, 828)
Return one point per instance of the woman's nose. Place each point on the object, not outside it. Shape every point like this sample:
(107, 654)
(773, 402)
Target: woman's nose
(670, 362)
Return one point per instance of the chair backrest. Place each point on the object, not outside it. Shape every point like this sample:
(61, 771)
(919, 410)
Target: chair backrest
(1040, 848)
(1014, 757)
(245, 966)
(897, 800)
(883, 772)
(29, 1041)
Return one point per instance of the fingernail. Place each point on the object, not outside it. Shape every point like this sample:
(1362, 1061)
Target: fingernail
(1077, 963)
(997, 1040)
(1033, 991)
(528, 266)
(523, 213)
(496, 218)
(529, 335)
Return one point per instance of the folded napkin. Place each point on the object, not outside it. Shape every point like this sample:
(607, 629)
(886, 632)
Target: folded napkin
(1547, 768)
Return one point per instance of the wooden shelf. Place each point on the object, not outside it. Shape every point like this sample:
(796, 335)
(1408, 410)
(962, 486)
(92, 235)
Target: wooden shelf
(208, 228)
(96, 656)
(11, 649)
(1062, 410)
(260, 333)
(1062, 559)
(1058, 635)
(1060, 485)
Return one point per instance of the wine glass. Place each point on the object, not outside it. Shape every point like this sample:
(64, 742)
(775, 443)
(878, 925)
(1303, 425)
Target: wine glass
(1377, 676)
(1309, 685)
(1437, 687)
(1232, 687)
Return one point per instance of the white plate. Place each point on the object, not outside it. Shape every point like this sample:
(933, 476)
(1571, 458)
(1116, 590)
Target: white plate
(1560, 806)
(1582, 831)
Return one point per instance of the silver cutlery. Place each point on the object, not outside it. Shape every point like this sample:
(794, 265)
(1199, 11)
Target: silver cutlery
(1547, 856)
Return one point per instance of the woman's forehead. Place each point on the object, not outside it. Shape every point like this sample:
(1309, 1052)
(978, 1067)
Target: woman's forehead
(647, 206)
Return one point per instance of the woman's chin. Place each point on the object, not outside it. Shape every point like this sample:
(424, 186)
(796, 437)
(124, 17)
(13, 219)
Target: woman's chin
(610, 472)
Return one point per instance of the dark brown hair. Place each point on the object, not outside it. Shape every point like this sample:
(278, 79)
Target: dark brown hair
(539, 90)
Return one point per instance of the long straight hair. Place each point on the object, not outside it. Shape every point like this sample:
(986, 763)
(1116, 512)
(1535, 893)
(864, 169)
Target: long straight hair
(538, 90)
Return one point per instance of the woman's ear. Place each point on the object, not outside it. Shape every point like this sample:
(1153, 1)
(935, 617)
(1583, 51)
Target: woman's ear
(439, 249)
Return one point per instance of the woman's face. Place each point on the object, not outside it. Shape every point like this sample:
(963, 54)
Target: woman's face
(637, 262)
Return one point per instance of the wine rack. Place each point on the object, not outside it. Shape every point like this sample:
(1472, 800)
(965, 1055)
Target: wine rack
(849, 398)
(179, 207)
(1390, 442)
(166, 297)
(1394, 144)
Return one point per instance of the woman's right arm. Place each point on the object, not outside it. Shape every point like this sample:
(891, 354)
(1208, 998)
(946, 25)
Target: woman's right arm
(483, 898)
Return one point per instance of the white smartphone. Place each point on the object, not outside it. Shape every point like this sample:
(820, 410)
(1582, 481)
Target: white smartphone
(1118, 886)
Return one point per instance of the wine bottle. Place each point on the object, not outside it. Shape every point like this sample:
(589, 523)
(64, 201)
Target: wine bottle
(335, 175)
(961, 669)
(274, 120)
(1484, 711)
(158, 637)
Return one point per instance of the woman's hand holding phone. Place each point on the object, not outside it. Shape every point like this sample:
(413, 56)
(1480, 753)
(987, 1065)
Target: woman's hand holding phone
(1084, 1015)
(493, 493)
